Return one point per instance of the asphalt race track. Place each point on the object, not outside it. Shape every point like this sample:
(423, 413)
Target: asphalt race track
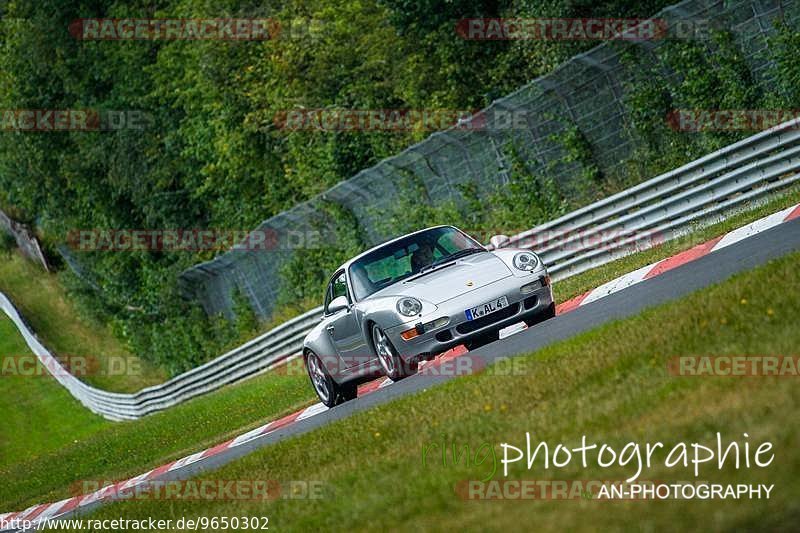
(707, 270)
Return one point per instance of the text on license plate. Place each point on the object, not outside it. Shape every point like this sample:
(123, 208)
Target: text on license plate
(487, 308)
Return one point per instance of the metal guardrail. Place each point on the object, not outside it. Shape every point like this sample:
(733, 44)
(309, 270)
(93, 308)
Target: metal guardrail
(258, 355)
(665, 207)
(668, 205)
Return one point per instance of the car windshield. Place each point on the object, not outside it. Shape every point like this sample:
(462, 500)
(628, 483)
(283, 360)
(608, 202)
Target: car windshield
(408, 256)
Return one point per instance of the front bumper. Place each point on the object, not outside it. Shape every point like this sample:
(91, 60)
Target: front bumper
(460, 330)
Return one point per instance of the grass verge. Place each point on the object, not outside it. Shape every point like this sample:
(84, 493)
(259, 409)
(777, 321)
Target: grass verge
(49, 441)
(40, 464)
(44, 304)
(35, 406)
(585, 281)
(610, 384)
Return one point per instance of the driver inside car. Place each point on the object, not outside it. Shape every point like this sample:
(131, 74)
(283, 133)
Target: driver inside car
(422, 257)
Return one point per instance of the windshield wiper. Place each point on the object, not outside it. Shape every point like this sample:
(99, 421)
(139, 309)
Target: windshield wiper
(452, 257)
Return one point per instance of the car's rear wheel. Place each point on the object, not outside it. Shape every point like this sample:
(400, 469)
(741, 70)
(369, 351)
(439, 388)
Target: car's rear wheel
(330, 393)
(393, 365)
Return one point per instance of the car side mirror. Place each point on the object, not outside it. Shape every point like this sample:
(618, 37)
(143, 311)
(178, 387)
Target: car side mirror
(337, 304)
(498, 241)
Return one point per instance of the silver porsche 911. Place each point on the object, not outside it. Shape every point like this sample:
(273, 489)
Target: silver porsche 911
(417, 296)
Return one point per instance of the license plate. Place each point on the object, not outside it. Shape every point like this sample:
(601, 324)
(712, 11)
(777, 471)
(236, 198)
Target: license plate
(512, 329)
(487, 308)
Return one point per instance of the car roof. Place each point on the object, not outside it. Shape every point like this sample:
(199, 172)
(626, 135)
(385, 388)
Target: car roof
(346, 265)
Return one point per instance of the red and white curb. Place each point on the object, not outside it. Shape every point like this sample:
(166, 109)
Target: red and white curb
(37, 513)
(659, 267)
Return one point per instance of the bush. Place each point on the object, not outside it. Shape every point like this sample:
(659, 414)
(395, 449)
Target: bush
(7, 243)
(211, 155)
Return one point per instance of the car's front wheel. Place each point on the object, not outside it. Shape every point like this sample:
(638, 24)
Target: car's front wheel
(330, 393)
(392, 364)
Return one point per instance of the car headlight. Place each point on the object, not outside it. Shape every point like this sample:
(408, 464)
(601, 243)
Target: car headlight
(409, 306)
(526, 261)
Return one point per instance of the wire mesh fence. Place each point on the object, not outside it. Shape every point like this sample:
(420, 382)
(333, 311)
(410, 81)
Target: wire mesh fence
(24, 238)
(586, 94)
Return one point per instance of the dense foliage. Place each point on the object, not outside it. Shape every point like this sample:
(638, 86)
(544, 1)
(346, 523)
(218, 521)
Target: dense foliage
(211, 155)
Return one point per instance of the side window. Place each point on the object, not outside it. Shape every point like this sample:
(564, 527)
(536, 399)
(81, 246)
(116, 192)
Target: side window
(336, 288)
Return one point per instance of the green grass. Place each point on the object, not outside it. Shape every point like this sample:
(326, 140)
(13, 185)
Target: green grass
(37, 465)
(48, 439)
(44, 304)
(74, 444)
(585, 281)
(610, 384)
(35, 407)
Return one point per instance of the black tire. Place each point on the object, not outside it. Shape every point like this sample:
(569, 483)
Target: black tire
(329, 392)
(393, 365)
